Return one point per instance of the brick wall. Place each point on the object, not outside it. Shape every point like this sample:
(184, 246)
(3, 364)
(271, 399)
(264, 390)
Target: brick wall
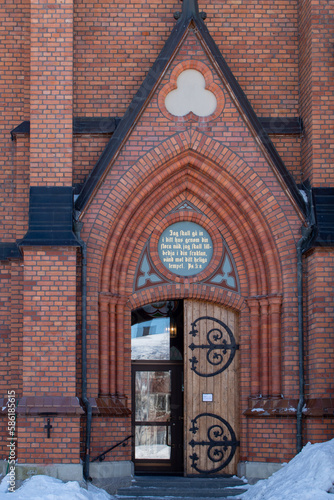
(97, 73)
(14, 103)
(114, 47)
(5, 326)
(16, 317)
(116, 44)
(107, 432)
(86, 151)
(63, 446)
(318, 430)
(153, 174)
(320, 322)
(270, 440)
(51, 93)
(49, 339)
(316, 93)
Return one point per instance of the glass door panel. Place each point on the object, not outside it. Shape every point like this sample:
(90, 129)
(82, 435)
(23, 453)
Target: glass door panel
(152, 442)
(157, 416)
(152, 414)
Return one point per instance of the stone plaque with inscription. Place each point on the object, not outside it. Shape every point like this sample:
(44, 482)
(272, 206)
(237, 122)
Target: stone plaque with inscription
(185, 248)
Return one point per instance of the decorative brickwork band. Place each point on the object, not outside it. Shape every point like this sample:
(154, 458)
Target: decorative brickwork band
(265, 324)
(255, 346)
(120, 347)
(265, 349)
(111, 370)
(112, 347)
(104, 347)
(275, 304)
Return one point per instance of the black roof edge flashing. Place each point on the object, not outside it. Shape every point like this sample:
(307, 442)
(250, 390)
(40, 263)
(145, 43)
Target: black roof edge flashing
(251, 116)
(132, 113)
(190, 14)
(107, 125)
(50, 217)
(282, 125)
(81, 125)
(323, 200)
(10, 251)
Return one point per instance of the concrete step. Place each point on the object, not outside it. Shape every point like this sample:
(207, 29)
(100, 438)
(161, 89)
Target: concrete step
(231, 494)
(189, 483)
(173, 487)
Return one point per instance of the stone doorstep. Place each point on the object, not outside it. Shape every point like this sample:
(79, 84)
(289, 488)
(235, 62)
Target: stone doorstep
(255, 471)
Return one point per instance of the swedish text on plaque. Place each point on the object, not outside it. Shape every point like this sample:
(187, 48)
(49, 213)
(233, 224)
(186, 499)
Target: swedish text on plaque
(185, 248)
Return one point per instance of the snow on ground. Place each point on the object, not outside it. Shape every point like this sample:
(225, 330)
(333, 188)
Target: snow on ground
(49, 488)
(309, 476)
(156, 451)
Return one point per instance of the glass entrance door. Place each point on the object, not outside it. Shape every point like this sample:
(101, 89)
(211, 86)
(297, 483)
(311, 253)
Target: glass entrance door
(157, 416)
(157, 386)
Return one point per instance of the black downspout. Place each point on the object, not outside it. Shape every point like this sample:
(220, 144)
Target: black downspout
(84, 397)
(302, 246)
(300, 249)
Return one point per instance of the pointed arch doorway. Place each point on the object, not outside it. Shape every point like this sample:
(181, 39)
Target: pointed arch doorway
(185, 396)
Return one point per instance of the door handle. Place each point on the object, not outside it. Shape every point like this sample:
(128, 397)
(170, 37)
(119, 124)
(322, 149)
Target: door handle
(167, 435)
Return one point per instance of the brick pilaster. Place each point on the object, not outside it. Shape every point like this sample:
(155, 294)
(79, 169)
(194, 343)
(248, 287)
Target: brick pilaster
(316, 93)
(49, 324)
(51, 93)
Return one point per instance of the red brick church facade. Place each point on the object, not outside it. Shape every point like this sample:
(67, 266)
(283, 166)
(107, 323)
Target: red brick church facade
(96, 166)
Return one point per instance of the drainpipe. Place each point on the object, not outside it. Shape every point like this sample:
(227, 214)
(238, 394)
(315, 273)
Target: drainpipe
(302, 246)
(84, 397)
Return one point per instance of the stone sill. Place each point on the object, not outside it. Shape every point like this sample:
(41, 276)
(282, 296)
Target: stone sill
(281, 407)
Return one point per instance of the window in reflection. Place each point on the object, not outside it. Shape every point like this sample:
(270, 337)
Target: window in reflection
(157, 331)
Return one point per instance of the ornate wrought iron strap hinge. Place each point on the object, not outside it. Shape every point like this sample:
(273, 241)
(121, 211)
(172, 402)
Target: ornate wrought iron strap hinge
(221, 442)
(221, 346)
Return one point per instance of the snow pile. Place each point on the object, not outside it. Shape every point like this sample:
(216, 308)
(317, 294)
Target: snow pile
(49, 488)
(309, 476)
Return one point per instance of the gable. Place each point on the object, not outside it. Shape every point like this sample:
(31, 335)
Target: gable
(189, 45)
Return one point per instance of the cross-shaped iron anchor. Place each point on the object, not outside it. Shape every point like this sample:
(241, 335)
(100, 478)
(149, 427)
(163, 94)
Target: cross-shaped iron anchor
(48, 427)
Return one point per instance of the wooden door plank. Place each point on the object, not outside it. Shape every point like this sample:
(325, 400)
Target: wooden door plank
(223, 386)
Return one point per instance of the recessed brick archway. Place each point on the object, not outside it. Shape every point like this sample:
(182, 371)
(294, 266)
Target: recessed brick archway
(227, 204)
(225, 201)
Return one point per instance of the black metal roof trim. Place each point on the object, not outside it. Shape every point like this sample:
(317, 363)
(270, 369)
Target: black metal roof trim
(81, 125)
(9, 251)
(282, 125)
(107, 125)
(23, 128)
(99, 125)
(323, 199)
(250, 115)
(132, 114)
(189, 9)
(50, 217)
(190, 14)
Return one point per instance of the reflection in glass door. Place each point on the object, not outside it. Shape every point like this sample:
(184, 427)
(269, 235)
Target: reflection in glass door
(152, 414)
(157, 386)
(157, 416)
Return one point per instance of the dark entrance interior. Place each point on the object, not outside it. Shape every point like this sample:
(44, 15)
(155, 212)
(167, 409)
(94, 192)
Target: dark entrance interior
(157, 387)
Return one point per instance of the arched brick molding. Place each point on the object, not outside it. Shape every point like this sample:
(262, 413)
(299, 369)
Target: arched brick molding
(187, 174)
(230, 206)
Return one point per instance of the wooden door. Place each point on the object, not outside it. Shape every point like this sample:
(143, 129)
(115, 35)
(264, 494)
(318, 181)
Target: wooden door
(211, 389)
